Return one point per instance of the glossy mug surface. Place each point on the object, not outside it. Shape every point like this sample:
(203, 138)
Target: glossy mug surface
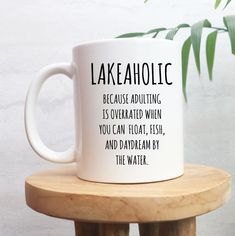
(128, 111)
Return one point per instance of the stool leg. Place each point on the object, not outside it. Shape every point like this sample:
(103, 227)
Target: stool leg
(149, 229)
(114, 230)
(86, 229)
(185, 227)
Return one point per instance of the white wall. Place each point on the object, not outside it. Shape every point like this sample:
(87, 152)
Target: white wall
(37, 33)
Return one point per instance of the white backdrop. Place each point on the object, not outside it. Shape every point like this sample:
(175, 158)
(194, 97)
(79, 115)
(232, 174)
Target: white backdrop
(36, 33)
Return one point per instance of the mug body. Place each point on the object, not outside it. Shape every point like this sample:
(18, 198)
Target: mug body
(128, 110)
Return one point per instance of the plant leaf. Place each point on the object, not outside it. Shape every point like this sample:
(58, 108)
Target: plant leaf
(196, 35)
(210, 51)
(184, 25)
(217, 3)
(171, 34)
(229, 22)
(157, 31)
(185, 58)
(228, 1)
(130, 35)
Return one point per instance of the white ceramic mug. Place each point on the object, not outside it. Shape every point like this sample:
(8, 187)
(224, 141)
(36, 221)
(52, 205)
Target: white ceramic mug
(128, 111)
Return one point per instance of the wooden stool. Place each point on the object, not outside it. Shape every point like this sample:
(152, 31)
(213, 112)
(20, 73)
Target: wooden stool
(167, 208)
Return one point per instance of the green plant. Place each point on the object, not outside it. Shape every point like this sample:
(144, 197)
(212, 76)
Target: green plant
(194, 41)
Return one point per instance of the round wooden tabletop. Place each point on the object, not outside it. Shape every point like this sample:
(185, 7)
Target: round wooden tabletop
(60, 193)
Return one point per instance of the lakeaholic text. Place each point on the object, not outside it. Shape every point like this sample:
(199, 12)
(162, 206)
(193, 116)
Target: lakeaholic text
(130, 74)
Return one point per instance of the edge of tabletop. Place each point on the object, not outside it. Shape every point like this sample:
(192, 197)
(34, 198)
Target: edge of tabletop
(222, 189)
(227, 178)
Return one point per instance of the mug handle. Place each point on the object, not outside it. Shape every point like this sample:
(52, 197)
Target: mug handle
(30, 122)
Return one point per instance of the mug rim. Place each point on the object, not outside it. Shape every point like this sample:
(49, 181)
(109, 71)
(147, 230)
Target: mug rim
(136, 39)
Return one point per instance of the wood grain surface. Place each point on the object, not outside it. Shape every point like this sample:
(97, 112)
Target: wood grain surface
(60, 193)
